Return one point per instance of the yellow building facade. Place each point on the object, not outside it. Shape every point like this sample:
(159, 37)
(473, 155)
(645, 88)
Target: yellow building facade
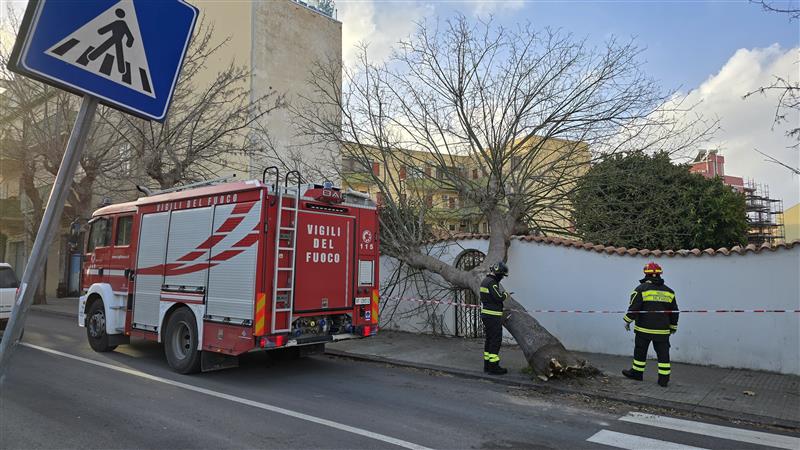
(420, 177)
(791, 223)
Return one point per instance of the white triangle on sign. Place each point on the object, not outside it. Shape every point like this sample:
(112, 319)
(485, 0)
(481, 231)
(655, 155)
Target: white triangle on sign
(110, 45)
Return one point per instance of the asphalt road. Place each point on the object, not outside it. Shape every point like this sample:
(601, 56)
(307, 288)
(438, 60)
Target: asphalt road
(60, 394)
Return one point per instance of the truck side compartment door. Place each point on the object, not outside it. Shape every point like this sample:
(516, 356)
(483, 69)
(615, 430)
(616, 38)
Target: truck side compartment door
(151, 252)
(187, 250)
(232, 262)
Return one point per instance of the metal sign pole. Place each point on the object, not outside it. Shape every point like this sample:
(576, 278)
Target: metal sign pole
(48, 229)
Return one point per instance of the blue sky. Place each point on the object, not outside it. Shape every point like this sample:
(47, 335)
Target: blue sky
(685, 41)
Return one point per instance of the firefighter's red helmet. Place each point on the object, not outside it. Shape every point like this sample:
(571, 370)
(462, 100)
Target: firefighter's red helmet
(652, 269)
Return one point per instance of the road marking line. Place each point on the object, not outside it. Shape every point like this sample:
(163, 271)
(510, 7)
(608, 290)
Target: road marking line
(233, 398)
(631, 442)
(707, 429)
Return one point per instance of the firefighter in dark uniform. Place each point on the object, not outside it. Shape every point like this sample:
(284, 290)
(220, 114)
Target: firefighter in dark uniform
(492, 297)
(652, 295)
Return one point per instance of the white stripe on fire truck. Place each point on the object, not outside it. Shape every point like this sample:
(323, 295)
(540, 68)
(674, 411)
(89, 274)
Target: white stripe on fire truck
(107, 272)
(181, 296)
(235, 399)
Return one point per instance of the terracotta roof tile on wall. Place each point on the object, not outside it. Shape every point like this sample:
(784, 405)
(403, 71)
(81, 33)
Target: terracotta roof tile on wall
(588, 246)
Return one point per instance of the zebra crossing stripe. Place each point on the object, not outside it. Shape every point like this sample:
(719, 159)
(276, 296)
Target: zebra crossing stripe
(633, 442)
(707, 429)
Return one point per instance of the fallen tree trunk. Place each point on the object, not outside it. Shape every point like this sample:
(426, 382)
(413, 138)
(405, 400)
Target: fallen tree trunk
(545, 354)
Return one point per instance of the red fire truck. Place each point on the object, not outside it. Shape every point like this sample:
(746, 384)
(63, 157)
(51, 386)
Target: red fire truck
(219, 270)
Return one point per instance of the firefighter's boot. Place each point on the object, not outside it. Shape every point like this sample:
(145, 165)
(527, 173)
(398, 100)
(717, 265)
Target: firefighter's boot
(495, 369)
(486, 365)
(633, 374)
(663, 380)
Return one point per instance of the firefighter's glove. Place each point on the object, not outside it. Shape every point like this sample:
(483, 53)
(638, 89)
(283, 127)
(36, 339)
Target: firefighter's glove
(627, 326)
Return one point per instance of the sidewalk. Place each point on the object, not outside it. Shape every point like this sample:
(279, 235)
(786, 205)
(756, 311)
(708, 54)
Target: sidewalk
(67, 306)
(760, 397)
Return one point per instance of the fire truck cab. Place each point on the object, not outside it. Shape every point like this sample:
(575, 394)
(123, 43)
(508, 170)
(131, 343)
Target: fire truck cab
(219, 270)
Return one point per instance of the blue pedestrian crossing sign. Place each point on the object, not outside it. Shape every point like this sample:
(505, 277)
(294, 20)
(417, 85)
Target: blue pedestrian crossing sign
(128, 53)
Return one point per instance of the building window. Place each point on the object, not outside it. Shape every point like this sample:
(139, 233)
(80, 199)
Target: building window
(349, 165)
(449, 171)
(452, 227)
(355, 165)
(412, 173)
(376, 169)
(515, 162)
(451, 203)
(402, 172)
(474, 174)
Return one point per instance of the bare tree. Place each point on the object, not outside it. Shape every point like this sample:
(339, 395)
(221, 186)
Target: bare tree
(505, 118)
(35, 123)
(787, 88)
(208, 123)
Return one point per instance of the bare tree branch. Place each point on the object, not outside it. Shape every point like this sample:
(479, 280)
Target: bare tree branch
(774, 160)
(788, 7)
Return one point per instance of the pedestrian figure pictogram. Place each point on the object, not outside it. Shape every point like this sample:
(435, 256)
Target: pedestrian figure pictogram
(110, 39)
(119, 30)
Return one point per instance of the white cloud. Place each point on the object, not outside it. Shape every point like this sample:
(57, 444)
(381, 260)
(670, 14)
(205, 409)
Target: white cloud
(485, 7)
(748, 124)
(379, 24)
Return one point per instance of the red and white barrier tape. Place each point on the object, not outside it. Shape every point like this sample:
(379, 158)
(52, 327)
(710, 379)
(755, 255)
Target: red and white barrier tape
(592, 311)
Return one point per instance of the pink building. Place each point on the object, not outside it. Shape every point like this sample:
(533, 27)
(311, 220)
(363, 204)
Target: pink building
(711, 164)
(764, 213)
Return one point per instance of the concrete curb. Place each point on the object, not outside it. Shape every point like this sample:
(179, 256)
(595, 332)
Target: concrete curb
(547, 389)
(44, 310)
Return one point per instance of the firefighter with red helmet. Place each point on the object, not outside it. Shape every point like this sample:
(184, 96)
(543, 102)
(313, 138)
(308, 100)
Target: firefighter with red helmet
(492, 298)
(656, 327)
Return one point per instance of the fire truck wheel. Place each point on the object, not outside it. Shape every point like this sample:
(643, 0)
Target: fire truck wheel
(96, 328)
(180, 344)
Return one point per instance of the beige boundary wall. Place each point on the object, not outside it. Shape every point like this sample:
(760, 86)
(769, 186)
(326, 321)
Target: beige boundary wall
(558, 274)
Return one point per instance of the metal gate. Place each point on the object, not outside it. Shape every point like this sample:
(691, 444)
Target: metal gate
(468, 320)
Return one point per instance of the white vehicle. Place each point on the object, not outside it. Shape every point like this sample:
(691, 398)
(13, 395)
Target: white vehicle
(8, 291)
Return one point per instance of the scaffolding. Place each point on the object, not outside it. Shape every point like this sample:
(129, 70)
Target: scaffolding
(764, 215)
